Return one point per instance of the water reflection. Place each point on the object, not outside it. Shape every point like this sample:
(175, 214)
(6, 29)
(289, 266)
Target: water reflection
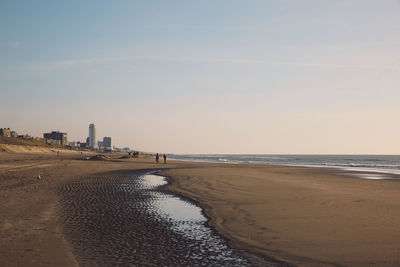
(127, 221)
(188, 220)
(171, 207)
(370, 176)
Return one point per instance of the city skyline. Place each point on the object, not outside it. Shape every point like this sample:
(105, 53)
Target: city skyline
(245, 77)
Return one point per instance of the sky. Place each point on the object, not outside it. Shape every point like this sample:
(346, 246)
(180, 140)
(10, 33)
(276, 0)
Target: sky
(226, 76)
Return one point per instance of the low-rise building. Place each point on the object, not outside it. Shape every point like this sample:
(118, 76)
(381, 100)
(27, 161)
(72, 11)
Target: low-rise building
(108, 143)
(5, 132)
(82, 144)
(56, 138)
(14, 134)
(100, 144)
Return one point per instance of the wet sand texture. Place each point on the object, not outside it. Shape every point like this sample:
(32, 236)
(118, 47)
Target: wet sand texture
(31, 232)
(306, 216)
(109, 221)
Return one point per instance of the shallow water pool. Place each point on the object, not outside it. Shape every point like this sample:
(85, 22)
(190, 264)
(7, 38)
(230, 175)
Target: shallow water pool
(128, 220)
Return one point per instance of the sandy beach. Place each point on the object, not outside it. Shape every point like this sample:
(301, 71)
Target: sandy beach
(199, 133)
(295, 215)
(304, 216)
(31, 230)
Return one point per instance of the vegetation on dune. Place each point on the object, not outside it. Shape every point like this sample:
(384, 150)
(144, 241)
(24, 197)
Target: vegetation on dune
(25, 142)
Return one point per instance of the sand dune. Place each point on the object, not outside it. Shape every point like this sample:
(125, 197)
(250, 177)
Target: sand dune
(33, 149)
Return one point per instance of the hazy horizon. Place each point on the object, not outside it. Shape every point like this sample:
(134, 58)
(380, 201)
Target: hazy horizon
(208, 77)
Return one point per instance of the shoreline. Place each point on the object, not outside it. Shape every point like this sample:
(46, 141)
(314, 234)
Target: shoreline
(210, 200)
(294, 215)
(258, 259)
(349, 167)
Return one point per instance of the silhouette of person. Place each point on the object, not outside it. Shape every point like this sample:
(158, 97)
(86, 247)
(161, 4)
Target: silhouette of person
(165, 159)
(157, 156)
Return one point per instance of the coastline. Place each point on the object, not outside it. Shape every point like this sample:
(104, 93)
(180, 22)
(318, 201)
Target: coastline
(294, 215)
(338, 229)
(386, 164)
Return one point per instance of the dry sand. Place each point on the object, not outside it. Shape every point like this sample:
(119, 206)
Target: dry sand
(36, 149)
(305, 216)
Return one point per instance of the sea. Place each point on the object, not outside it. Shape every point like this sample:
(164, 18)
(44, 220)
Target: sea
(372, 163)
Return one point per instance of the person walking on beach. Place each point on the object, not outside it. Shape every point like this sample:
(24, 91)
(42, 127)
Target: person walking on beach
(165, 159)
(157, 158)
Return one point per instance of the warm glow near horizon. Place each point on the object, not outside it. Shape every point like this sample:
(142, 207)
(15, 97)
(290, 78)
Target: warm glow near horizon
(273, 77)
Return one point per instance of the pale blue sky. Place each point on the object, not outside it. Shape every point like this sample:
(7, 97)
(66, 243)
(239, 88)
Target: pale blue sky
(238, 76)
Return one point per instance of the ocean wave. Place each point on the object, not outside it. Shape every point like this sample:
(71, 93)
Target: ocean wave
(362, 162)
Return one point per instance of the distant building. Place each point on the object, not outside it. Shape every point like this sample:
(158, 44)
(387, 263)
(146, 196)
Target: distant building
(92, 136)
(14, 134)
(108, 143)
(56, 138)
(82, 145)
(5, 132)
(100, 144)
(72, 144)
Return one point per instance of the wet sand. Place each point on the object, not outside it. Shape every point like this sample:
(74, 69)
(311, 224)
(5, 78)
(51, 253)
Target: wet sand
(305, 216)
(111, 220)
(31, 230)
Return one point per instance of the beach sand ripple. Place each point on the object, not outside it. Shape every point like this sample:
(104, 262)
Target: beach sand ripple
(107, 221)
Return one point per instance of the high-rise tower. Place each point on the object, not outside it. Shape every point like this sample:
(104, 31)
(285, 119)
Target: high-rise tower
(92, 136)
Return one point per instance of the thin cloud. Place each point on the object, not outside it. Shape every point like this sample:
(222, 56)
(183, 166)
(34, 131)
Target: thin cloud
(65, 64)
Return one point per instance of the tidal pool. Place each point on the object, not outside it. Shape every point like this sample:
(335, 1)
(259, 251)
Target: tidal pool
(187, 220)
(125, 219)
